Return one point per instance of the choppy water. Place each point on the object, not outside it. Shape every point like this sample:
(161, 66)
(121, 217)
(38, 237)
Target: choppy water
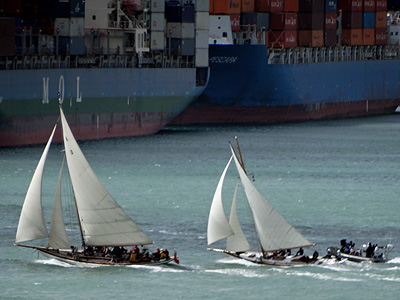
(331, 180)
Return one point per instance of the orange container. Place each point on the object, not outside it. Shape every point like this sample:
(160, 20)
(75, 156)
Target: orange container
(248, 6)
(317, 38)
(352, 37)
(369, 36)
(291, 6)
(226, 7)
(380, 19)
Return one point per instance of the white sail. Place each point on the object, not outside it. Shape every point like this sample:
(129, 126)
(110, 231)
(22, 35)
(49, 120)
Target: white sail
(58, 238)
(103, 221)
(218, 226)
(31, 224)
(274, 232)
(238, 241)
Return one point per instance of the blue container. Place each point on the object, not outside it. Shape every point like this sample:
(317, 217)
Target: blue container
(331, 5)
(368, 20)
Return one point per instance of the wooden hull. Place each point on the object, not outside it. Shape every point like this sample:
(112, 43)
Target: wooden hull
(258, 258)
(66, 255)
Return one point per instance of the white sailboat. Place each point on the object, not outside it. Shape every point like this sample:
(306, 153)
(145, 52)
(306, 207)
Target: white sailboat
(103, 223)
(275, 235)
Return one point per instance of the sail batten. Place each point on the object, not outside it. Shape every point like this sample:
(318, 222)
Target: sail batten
(273, 230)
(103, 222)
(32, 225)
(218, 225)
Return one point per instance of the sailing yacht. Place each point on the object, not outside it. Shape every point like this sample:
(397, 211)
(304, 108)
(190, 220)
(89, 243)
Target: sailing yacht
(275, 235)
(103, 223)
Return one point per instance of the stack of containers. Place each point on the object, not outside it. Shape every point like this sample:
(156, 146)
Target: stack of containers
(352, 22)
(369, 22)
(283, 24)
(201, 30)
(311, 23)
(380, 22)
(7, 36)
(330, 24)
(157, 25)
(251, 17)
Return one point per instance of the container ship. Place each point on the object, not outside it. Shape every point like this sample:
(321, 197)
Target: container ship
(113, 65)
(275, 61)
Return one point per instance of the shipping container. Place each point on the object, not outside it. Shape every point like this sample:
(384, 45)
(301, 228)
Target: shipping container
(188, 14)
(201, 59)
(187, 47)
(77, 8)
(350, 5)
(77, 46)
(46, 24)
(310, 38)
(261, 20)
(13, 7)
(203, 5)
(174, 30)
(330, 38)
(226, 7)
(157, 22)
(317, 38)
(352, 19)
(369, 5)
(291, 6)
(201, 39)
(283, 21)
(380, 5)
(331, 5)
(369, 37)
(188, 31)
(235, 22)
(311, 21)
(7, 45)
(201, 20)
(282, 39)
(173, 11)
(247, 6)
(311, 6)
(62, 27)
(157, 6)
(380, 19)
(269, 5)
(77, 27)
(380, 36)
(7, 27)
(352, 37)
(331, 20)
(369, 20)
(157, 41)
(46, 8)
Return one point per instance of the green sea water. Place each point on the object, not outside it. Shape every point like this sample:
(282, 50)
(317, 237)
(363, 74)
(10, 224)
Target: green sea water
(330, 180)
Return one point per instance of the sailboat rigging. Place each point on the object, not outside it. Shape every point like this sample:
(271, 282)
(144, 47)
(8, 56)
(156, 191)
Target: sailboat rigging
(102, 222)
(275, 235)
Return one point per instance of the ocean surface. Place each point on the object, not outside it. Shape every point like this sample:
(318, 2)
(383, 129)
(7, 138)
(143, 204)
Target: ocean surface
(331, 180)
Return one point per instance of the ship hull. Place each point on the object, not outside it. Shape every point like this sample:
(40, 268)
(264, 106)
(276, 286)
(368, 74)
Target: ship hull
(98, 103)
(244, 88)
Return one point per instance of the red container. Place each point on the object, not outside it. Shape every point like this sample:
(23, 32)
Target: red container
(369, 5)
(311, 21)
(330, 38)
(269, 5)
(380, 36)
(282, 39)
(291, 6)
(235, 22)
(380, 5)
(369, 36)
(380, 19)
(331, 20)
(352, 19)
(317, 38)
(247, 5)
(283, 21)
(226, 6)
(351, 37)
(311, 38)
(350, 5)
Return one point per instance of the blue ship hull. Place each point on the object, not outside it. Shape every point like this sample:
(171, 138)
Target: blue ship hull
(245, 88)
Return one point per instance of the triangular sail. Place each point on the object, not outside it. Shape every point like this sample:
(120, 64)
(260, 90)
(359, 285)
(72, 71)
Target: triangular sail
(274, 232)
(58, 236)
(31, 224)
(218, 226)
(103, 222)
(238, 241)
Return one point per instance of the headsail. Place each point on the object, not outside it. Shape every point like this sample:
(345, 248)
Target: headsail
(103, 221)
(58, 238)
(218, 226)
(236, 242)
(274, 232)
(31, 224)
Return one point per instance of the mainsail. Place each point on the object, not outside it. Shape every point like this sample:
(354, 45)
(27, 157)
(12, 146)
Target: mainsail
(274, 232)
(103, 222)
(218, 226)
(31, 224)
